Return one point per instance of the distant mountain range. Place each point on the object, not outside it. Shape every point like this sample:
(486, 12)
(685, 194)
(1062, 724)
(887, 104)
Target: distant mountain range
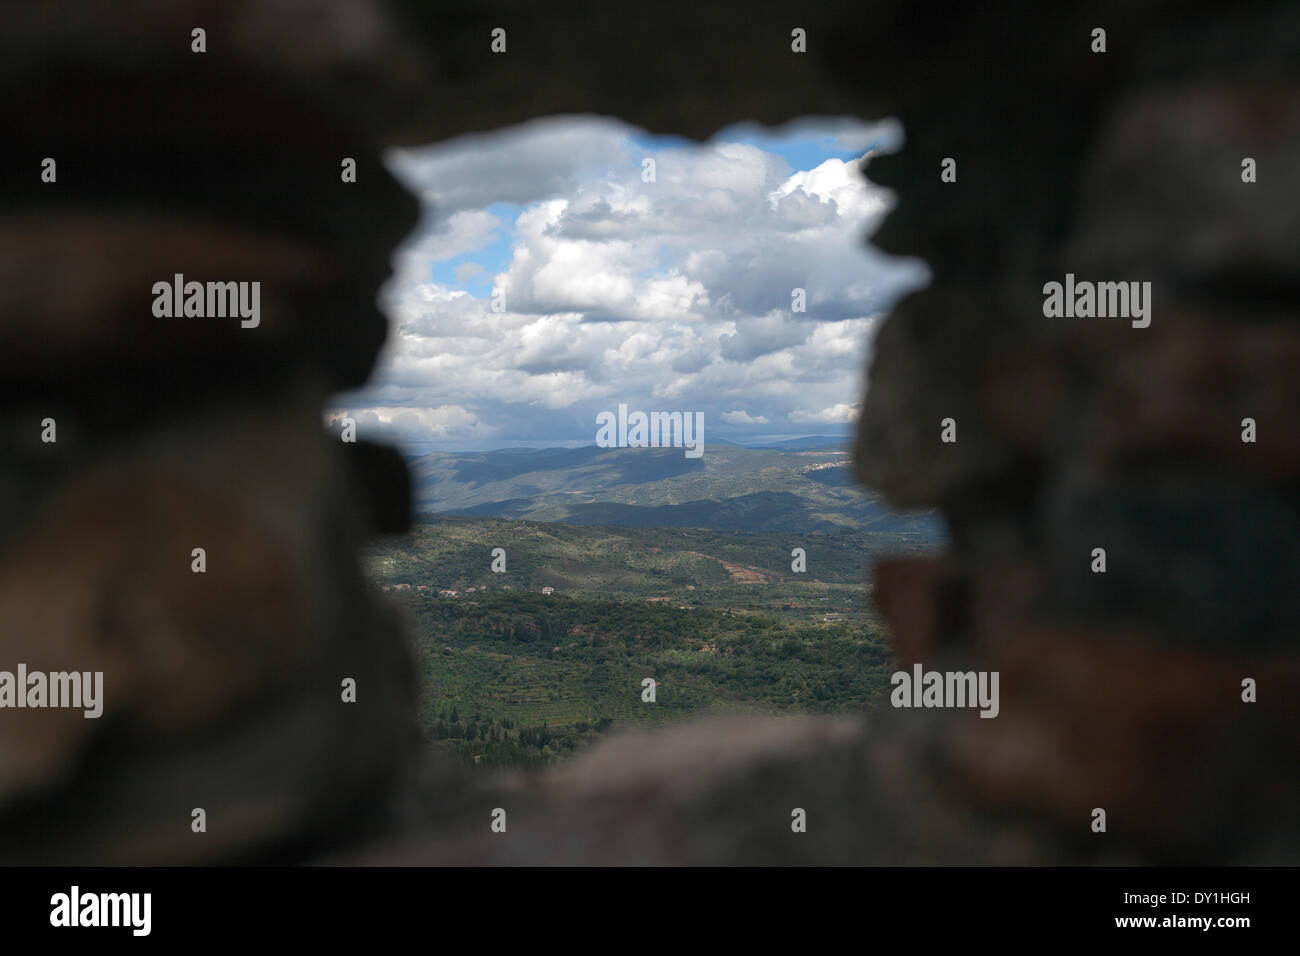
(807, 443)
(800, 485)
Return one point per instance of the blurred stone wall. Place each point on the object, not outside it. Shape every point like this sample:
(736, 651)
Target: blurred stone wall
(1120, 690)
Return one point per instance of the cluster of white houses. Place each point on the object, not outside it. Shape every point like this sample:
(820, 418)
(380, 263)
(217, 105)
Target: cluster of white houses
(450, 592)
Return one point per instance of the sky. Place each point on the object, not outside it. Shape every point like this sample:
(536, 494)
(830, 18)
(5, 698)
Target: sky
(666, 295)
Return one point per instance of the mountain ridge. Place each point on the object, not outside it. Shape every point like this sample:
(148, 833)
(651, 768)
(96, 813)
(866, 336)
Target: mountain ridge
(802, 487)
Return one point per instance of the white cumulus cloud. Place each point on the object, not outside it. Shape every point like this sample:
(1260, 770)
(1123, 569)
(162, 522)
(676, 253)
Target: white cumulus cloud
(675, 293)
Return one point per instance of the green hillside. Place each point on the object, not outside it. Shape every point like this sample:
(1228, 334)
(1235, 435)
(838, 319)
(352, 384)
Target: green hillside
(522, 679)
(724, 568)
(719, 620)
